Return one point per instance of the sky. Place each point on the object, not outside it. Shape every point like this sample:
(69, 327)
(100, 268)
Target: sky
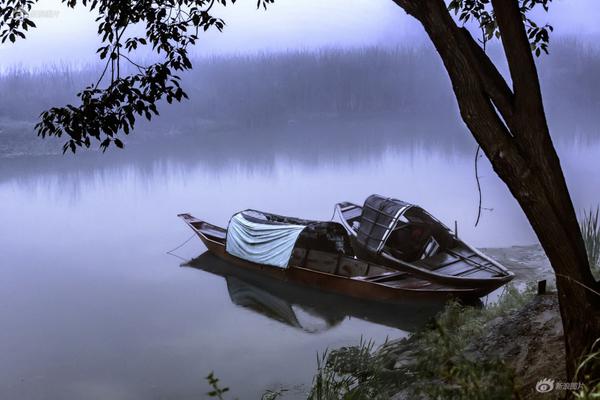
(66, 36)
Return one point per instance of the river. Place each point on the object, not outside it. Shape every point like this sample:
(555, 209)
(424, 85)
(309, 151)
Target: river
(93, 307)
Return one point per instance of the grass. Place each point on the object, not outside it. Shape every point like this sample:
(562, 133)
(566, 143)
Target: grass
(587, 371)
(353, 373)
(590, 229)
(443, 366)
(440, 366)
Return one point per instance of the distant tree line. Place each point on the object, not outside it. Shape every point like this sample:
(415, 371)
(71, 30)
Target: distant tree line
(267, 89)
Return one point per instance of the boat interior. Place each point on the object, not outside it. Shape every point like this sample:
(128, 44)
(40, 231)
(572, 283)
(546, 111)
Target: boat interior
(423, 241)
(336, 263)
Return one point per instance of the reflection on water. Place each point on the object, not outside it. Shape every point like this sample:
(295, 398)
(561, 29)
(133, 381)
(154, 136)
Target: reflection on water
(91, 307)
(306, 309)
(265, 302)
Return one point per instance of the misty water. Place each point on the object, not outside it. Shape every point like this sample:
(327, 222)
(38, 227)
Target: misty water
(92, 306)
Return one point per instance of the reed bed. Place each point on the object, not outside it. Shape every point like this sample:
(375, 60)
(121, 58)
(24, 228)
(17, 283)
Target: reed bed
(263, 89)
(590, 229)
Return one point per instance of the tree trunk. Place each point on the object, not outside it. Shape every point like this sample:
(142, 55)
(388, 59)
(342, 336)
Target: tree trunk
(510, 125)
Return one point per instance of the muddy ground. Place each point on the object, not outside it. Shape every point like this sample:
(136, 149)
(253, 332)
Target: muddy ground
(529, 340)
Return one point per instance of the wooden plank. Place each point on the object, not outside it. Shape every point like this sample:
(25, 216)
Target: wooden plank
(352, 268)
(457, 268)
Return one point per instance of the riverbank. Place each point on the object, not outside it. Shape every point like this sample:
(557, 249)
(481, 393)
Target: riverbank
(502, 350)
(506, 356)
(497, 352)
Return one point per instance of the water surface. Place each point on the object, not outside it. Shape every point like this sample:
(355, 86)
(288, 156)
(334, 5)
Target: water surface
(92, 307)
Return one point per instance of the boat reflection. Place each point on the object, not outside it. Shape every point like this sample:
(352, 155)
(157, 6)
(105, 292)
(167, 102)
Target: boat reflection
(307, 309)
(298, 316)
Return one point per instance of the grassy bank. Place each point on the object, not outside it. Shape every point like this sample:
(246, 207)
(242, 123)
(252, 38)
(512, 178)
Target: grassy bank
(470, 353)
(467, 353)
(437, 362)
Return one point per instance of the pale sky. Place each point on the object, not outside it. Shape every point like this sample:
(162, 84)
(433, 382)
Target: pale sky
(69, 36)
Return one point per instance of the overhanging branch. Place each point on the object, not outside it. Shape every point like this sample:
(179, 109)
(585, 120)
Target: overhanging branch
(518, 54)
(493, 82)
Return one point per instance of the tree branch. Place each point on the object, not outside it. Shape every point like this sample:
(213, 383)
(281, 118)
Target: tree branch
(517, 48)
(493, 82)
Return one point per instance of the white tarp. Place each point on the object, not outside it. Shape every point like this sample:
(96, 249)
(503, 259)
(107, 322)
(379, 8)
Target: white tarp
(269, 244)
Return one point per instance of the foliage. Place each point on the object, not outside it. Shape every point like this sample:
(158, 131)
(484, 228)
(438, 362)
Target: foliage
(443, 367)
(482, 12)
(14, 20)
(590, 230)
(439, 365)
(217, 391)
(273, 394)
(404, 84)
(170, 28)
(353, 373)
(588, 372)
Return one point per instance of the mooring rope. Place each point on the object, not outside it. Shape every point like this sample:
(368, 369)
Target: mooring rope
(579, 283)
(171, 252)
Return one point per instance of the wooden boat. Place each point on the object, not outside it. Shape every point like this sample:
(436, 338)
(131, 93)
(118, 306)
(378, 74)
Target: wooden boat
(323, 259)
(407, 238)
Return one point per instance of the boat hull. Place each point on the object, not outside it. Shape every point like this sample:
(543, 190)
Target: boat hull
(341, 285)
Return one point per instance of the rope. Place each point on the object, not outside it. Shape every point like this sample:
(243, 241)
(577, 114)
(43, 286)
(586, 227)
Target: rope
(579, 283)
(171, 252)
(478, 185)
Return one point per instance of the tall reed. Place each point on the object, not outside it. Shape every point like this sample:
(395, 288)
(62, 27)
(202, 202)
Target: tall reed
(590, 229)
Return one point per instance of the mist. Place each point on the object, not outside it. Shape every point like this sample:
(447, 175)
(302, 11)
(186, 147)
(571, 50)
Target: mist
(290, 111)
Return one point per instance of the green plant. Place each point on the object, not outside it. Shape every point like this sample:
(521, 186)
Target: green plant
(443, 367)
(273, 394)
(588, 371)
(216, 391)
(352, 373)
(440, 366)
(590, 230)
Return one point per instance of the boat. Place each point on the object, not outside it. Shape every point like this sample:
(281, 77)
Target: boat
(321, 255)
(309, 310)
(407, 238)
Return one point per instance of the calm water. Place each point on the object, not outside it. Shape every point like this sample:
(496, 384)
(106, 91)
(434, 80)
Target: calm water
(92, 307)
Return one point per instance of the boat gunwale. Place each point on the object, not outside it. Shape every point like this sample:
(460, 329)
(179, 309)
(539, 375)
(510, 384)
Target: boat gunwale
(444, 291)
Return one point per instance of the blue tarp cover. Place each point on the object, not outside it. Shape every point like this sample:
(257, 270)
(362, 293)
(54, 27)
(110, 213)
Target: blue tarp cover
(262, 243)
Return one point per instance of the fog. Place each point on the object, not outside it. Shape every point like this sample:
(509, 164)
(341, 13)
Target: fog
(69, 36)
(275, 92)
(290, 111)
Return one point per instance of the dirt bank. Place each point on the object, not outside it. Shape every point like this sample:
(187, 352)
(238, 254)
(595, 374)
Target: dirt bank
(524, 335)
(529, 341)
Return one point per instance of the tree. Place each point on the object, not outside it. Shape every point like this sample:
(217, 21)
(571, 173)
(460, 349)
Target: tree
(510, 126)
(170, 27)
(509, 123)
